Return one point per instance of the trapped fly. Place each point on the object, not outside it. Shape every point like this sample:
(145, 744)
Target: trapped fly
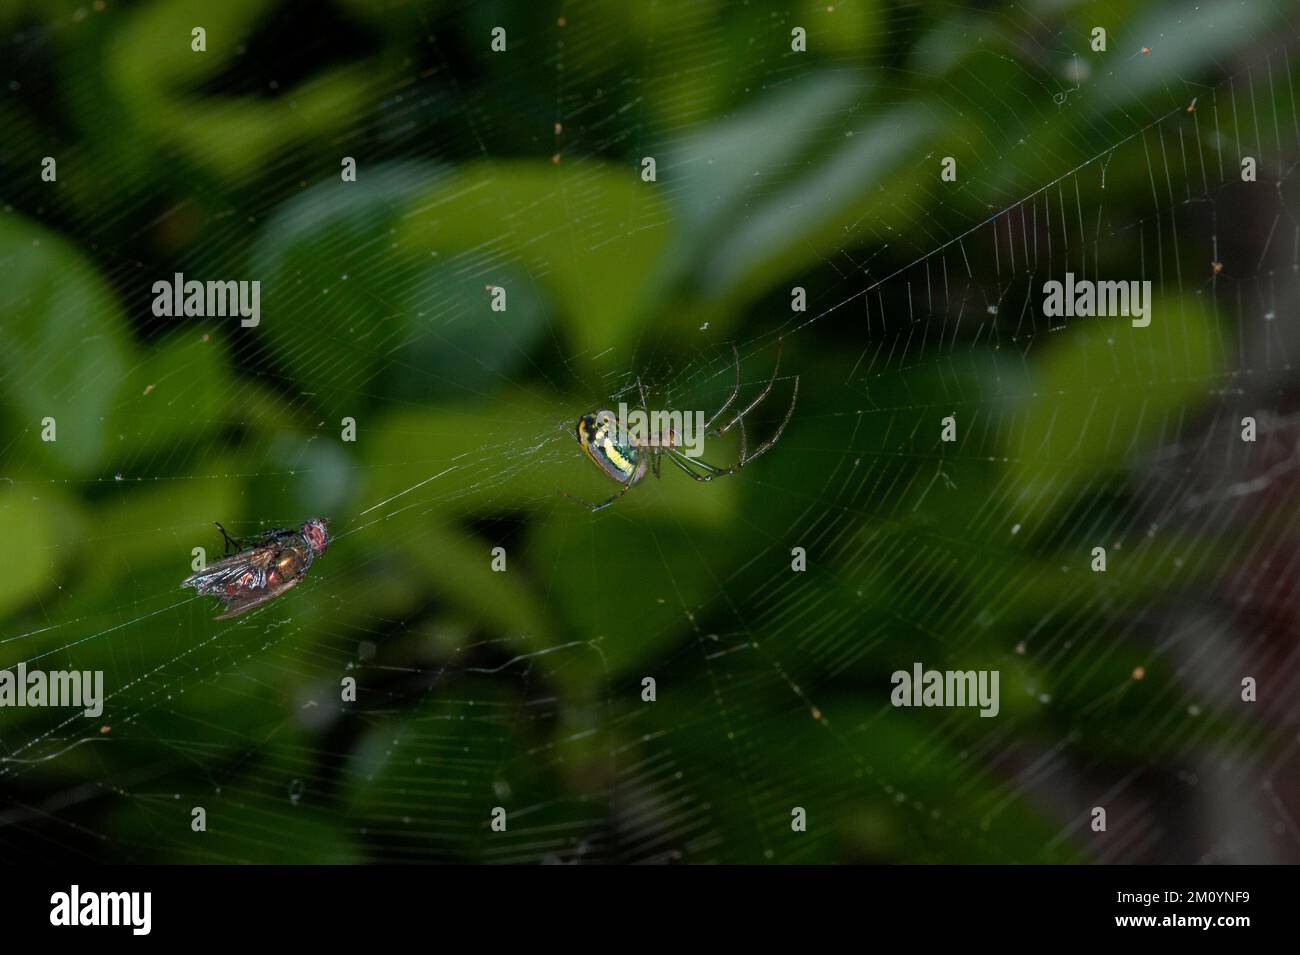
(262, 568)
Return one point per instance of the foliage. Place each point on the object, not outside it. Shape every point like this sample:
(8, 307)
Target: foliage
(523, 689)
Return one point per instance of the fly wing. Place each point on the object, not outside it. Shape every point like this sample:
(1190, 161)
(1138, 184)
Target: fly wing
(246, 600)
(214, 578)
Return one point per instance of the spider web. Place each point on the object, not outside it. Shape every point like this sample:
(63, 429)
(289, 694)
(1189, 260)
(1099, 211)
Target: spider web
(523, 689)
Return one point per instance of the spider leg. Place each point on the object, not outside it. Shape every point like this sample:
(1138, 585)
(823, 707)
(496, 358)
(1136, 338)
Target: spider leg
(603, 504)
(606, 503)
(712, 471)
(654, 465)
(645, 410)
(776, 435)
(231, 543)
(757, 401)
(734, 391)
(673, 457)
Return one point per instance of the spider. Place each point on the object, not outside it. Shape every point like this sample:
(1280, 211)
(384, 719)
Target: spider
(627, 458)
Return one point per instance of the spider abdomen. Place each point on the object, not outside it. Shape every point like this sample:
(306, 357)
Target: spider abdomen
(613, 453)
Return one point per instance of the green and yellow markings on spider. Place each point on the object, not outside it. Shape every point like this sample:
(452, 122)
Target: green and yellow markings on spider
(622, 462)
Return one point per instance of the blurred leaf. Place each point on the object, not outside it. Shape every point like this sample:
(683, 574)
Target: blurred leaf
(736, 160)
(1100, 390)
(1181, 46)
(153, 70)
(857, 188)
(428, 781)
(63, 346)
(385, 320)
(179, 390)
(27, 530)
(593, 235)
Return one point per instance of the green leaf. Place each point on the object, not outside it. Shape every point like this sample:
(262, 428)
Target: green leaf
(29, 534)
(386, 321)
(63, 347)
(152, 69)
(180, 390)
(1101, 391)
(591, 235)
